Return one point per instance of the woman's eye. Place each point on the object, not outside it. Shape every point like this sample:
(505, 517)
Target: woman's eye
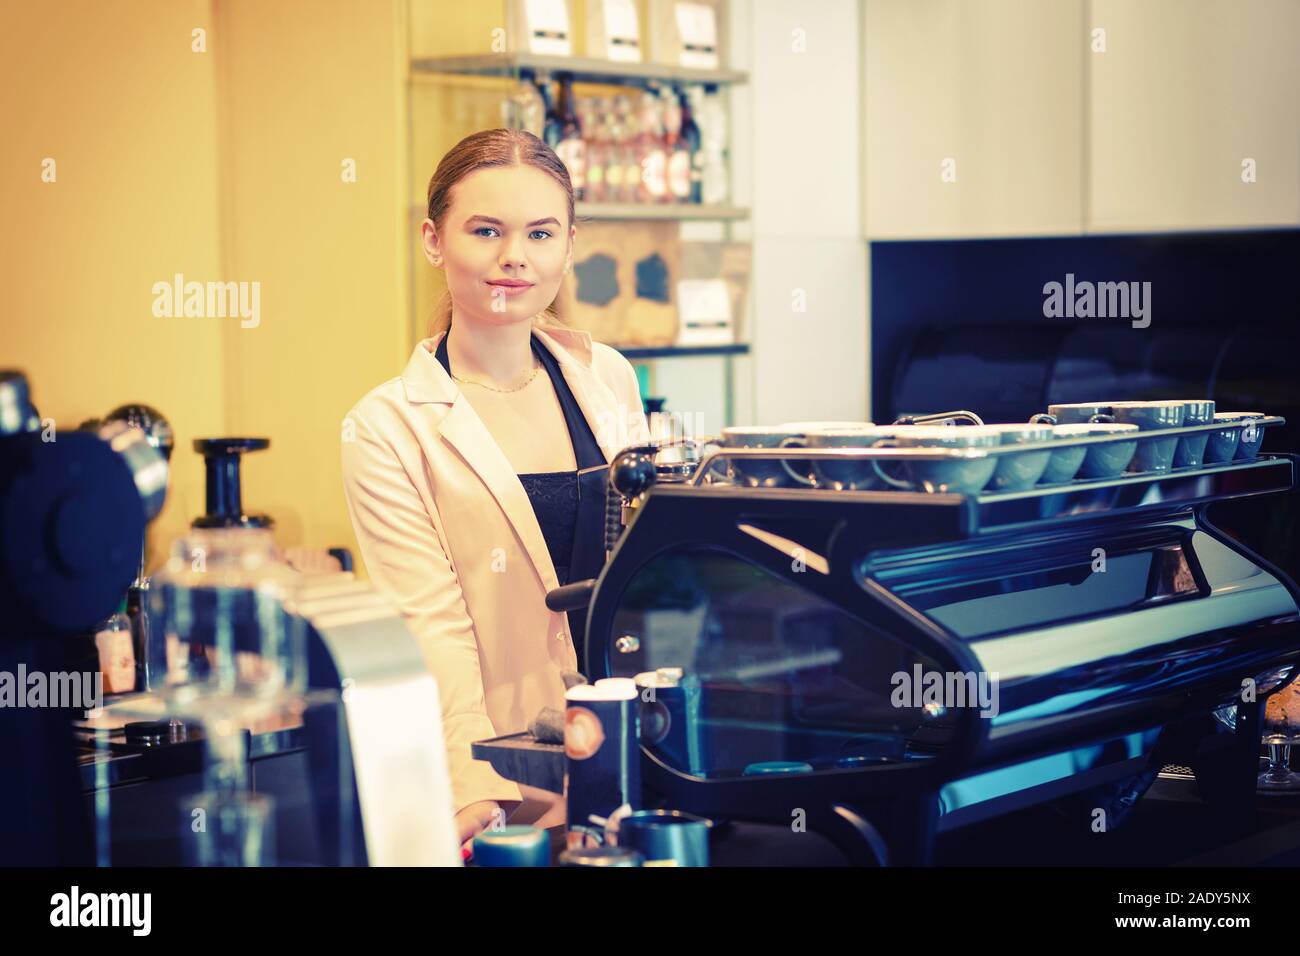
(536, 233)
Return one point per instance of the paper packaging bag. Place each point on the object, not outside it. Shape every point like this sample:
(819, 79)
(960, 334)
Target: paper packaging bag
(666, 44)
(728, 261)
(540, 26)
(614, 31)
(622, 288)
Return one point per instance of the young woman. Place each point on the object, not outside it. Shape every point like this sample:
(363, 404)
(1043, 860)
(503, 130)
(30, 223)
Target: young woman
(474, 479)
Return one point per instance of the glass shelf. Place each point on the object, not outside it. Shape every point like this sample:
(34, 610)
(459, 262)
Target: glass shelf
(625, 212)
(582, 69)
(619, 211)
(636, 353)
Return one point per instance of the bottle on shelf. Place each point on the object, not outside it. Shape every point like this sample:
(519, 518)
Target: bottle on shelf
(689, 99)
(631, 150)
(551, 126)
(712, 119)
(524, 108)
(651, 151)
(116, 649)
(615, 145)
(594, 116)
(571, 148)
(676, 149)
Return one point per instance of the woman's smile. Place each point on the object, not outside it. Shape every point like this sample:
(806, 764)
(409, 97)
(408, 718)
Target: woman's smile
(509, 287)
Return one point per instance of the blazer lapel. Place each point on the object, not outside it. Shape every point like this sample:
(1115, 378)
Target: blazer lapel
(426, 381)
(465, 432)
(597, 400)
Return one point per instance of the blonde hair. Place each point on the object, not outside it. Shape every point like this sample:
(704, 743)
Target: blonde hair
(484, 150)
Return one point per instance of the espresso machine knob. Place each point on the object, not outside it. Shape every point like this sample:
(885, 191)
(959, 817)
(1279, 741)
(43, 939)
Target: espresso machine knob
(633, 471)
(157, 430)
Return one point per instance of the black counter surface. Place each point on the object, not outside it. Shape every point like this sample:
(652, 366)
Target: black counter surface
(1170, 827)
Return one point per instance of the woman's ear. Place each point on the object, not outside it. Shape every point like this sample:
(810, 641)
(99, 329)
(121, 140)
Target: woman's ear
(432, 243)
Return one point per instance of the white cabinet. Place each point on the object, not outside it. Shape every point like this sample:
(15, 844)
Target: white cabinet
(1041, 131)
(1184, 93)
(973, 117)
(810, 286)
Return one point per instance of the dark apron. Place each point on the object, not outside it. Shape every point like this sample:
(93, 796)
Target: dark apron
(588, 556)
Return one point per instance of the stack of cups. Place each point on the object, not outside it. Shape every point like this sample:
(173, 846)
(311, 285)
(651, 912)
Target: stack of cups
(602, 755)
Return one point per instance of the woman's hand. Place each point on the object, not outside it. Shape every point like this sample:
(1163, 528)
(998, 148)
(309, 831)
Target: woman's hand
(475, 818)
(542, 808)
(546, 808)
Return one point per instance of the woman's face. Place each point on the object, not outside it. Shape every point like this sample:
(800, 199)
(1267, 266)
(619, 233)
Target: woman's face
(503, 244)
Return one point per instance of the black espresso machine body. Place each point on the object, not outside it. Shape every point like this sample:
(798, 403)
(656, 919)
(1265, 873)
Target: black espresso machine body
(800, 649)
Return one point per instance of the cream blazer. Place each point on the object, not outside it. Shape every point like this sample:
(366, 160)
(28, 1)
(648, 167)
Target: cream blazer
(447, 530)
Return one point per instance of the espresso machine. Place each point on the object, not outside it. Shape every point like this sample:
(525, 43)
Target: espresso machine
(785, 638)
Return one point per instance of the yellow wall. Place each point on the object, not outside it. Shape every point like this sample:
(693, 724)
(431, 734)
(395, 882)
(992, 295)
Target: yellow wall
(221, 165)
(307, 84)
(113, 93)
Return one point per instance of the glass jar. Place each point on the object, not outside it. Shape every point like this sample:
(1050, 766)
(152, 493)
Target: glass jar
(219, 619)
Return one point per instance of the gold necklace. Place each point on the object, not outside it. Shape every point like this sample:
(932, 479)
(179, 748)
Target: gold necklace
(493, 388)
